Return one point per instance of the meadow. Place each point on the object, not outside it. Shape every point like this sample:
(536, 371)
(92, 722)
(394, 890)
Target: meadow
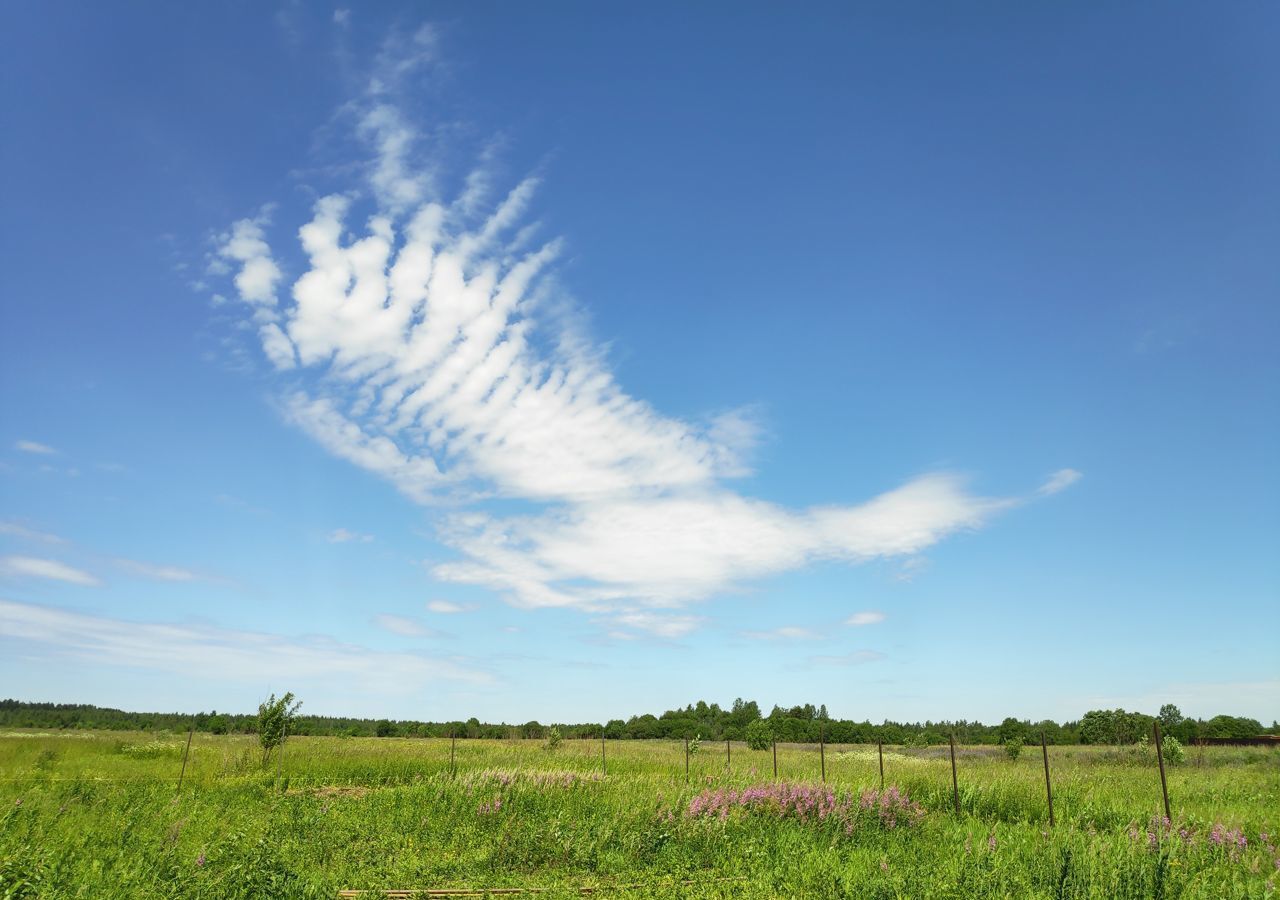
(99, 814)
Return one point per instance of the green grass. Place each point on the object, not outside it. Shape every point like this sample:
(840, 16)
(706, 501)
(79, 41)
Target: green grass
(97, 815)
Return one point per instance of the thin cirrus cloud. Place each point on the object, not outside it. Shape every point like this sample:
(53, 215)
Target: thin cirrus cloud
(446, 607)
(343, 536)
(35, 447)
(437, 355)
(13, 529)
(866, 617)
(51, 569)
(403, 626)
(157, 572)
(209, 651)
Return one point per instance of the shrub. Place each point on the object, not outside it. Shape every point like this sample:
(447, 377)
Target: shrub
(759, 735)
(553, 738)
(274, 718)
(1013, 748)
(1171, 749)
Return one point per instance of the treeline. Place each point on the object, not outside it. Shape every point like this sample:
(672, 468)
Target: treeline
(742, 721)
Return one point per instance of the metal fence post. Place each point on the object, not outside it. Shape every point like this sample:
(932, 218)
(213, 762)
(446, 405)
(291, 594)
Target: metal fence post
(1164, 785)
(955, 785)
(185, 752)
(1048, 788)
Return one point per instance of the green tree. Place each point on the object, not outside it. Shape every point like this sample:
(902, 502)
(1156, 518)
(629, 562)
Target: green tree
(274, 718)
(1170, 718)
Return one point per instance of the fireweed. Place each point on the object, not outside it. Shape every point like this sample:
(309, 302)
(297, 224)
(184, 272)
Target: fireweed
(888, 809)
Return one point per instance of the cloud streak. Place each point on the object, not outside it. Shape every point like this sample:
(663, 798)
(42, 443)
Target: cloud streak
(155, 572)
(51, 569)
(35, 447)
(210, 651)
(436, 355)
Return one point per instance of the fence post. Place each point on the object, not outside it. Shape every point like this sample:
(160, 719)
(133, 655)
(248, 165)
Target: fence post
(822, 749)
(453, 749)
(1048, 789)
(604, 766)
(880, 751)
(183, 773)
(775, 759)
(955, 785)
(728, 756)
(686, 760)
(1164, 785)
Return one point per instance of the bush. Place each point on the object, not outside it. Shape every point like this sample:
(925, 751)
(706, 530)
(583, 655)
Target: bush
(759, 735)
(274, 718)
(553, 738)
(1171, 749)
(1013, 748)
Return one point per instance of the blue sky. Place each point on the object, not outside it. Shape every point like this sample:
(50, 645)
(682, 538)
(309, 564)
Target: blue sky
(561, 362)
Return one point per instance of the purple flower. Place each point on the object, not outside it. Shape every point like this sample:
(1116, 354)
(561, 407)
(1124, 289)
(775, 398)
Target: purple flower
(200, 859)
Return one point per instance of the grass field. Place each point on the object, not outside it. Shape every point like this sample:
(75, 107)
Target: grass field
(97, 814)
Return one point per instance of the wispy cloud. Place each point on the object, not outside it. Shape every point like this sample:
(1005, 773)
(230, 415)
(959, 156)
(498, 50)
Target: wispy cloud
(13, 529)
(156, 572)
(35, 447)
(403, 626)
(866, 617)
(1059, 481)
(447, 607)
(343, 536)
(52, 569)
(210, 651)
(437, 354)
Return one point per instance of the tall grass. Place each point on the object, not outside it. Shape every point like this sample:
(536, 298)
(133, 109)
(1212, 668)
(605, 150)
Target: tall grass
(98, 816)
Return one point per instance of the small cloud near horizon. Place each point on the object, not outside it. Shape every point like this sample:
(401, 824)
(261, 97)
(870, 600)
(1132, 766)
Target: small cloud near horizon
(866, 617)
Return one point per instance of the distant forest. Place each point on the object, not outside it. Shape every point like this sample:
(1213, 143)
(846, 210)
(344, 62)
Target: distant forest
(799, 724)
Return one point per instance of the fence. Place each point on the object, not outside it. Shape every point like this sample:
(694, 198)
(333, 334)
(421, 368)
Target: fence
(822, 758)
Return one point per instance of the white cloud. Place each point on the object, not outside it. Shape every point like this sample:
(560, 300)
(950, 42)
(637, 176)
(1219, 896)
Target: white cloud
(435, 354)
(33, 567)
(341, 17)
(246, 244)
(343, 536)
(446, 607)
(206, 650)
(1059, 481)
(13, 529)
(403, 625)
(662, 625)
(34, 447)
(866, 617)
(157, 573)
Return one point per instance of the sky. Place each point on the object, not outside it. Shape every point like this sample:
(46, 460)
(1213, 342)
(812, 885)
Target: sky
(568, 362)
